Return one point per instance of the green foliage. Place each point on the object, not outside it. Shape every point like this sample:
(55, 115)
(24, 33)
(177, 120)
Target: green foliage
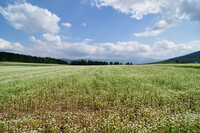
(60, 98)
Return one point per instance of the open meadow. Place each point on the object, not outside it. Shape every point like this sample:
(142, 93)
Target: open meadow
(62, 98)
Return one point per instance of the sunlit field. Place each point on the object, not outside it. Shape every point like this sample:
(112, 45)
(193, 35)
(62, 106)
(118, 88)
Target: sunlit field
(61, 98)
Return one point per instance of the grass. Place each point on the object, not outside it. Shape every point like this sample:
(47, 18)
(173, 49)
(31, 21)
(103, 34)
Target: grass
(59, 98)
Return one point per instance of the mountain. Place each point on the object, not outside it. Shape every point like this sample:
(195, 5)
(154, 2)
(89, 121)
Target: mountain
(13, 57)
(192, 56)
(142, 60)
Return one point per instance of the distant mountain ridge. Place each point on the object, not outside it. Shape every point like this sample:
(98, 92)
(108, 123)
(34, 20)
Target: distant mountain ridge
(195, 55)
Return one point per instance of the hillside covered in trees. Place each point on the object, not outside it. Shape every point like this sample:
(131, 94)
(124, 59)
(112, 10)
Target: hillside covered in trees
(189, 58)
(13, 57)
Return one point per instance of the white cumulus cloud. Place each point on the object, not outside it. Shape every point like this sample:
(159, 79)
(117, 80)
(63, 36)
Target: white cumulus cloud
(30, 18)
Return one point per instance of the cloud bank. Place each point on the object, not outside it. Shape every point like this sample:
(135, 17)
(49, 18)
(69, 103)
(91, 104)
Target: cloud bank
(54, 46)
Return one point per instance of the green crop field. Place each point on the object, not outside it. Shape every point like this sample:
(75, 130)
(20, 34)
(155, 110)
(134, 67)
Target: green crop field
(61, 98)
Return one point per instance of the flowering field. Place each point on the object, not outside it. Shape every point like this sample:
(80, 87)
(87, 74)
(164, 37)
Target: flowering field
(60, 98)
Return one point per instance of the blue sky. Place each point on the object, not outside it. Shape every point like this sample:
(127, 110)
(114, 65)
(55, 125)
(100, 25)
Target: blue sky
(100, 29)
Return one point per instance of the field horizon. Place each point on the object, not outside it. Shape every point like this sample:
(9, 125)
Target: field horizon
(62, 98)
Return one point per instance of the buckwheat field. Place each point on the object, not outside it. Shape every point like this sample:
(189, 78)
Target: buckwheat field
(61, 98)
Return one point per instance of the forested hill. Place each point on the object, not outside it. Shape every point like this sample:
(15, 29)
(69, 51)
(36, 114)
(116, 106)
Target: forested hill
(6, 56)
(189, 58)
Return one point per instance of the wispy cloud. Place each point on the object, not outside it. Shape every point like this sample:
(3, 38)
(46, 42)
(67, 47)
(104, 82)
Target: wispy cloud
(158, 28)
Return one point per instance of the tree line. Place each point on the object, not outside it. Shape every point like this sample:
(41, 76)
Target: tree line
(84, 62)
(5, 56)
(187, 61)
(183, 61)
(13, 57)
